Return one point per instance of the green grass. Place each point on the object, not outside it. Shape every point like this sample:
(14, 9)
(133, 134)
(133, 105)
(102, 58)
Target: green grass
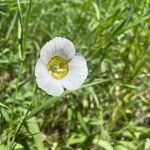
(111, 111)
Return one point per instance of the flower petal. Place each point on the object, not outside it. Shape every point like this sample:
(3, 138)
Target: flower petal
(64, 48)
(77, 73)
(57, 47)
(46, 82)
(47, 52)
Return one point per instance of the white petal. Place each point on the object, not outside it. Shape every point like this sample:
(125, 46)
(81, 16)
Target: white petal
(46, 82)
(40, 69)
(77, 73)
(47, 52)
(57, 47)
(64, 48)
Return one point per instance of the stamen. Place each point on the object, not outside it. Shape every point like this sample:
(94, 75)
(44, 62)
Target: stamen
(57, 67)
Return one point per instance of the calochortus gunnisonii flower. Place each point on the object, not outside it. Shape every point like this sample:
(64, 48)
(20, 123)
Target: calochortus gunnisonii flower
(59, 67)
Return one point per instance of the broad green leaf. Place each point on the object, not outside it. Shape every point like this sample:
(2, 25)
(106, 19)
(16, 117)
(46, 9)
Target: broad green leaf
(35, 132)
(18, 146)
(75, 139)
(120, 147)
(128, 145)
(103, 144)
(147, 144)
(5, 114)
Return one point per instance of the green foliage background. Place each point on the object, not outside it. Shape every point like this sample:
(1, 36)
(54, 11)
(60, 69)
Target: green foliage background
(111, 111)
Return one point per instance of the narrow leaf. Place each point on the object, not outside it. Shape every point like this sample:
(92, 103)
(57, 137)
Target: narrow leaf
(83, 124)
(103, 144)
(35, 131)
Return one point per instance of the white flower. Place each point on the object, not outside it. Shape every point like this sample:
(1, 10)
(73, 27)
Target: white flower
(59, 67)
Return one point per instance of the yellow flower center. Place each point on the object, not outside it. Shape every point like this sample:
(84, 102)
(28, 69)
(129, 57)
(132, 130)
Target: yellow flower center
(57, 67)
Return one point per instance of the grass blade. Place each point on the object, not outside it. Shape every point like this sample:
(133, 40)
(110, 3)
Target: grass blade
(83, 124)
(20, 33)
(49, 103)
(35, 131)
